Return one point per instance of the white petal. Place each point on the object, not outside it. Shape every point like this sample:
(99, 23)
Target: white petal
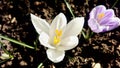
(44, 40)
(68, 43)
(59, 22)
(55, 55)
(4, 56)
(39, 24)
(74, 27)
(97, 65)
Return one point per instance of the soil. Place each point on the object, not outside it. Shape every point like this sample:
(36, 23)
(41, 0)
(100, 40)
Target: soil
(15, 22)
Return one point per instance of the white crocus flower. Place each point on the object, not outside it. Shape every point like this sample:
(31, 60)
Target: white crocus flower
(4, 56)
(58, 36)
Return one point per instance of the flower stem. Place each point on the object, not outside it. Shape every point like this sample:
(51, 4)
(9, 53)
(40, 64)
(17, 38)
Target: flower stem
(41, 64)
(16, 42)
(87, 34)
(114, 3)
(70, 9)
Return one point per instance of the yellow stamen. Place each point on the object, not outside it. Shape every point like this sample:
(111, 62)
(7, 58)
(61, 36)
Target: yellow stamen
(57, 36)
(56, 40)
(58, 32)
(101, 15)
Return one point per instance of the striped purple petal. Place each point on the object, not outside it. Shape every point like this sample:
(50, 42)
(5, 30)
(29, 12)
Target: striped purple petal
(108, 14)
(102, 19)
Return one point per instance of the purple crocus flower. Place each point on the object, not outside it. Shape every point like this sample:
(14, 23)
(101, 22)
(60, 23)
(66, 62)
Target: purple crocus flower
(102, 19)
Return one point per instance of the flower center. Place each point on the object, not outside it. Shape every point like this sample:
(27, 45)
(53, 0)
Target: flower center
(57, 36)
(101, 15)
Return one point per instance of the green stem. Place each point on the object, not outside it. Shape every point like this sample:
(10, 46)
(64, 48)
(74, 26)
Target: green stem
(91, 34)
(16, 42)
(70, 9)
(115, 3)
(4, 61)
(10, 56)
(4, 48)
(41, 64)
(87, 34)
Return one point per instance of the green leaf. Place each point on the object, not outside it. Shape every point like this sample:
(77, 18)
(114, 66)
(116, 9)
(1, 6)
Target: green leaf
(70, 9)
(40, 65)
(16, 42)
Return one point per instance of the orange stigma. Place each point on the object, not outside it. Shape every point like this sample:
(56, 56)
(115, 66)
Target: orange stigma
(101, 15)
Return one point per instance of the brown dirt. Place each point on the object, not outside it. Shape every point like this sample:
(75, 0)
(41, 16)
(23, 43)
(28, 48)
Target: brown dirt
(15, 23)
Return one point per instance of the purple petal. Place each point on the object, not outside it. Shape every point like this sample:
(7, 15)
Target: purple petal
(106, 22)
(113, 23)
(100, 9)
(108, 14)
(95, 11)
(94, 25)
